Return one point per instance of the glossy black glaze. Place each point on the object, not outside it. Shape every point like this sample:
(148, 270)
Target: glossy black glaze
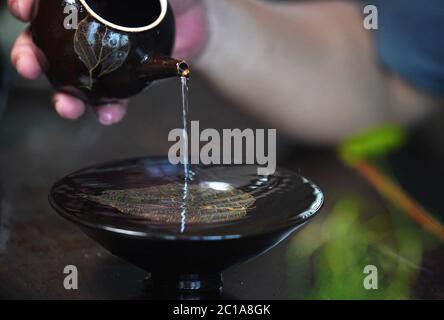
(128, 63)
(197, 254)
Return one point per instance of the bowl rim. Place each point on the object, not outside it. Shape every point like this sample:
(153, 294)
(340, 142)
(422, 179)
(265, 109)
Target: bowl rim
(291, 223)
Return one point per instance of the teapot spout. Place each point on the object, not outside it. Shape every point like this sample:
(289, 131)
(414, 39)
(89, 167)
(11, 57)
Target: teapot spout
(158, 67)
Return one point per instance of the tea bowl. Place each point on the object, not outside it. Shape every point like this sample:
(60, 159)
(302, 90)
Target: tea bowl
(139, 211)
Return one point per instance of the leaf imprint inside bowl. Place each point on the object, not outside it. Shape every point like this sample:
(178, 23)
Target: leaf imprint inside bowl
(165, 203)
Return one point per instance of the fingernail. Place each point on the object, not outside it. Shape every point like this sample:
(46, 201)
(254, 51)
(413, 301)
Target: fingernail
(106, 118)
(58, 107)
(61, 110)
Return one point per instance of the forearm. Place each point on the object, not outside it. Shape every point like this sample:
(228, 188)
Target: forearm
(309, 69)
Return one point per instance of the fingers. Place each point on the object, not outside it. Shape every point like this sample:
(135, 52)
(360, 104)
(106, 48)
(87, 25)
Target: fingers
(24, 57)
(112, 113)
(71, 108)
(22, 9)
(68, 107)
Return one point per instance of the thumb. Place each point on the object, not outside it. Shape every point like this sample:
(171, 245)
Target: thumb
(111, 113)
(191, 29)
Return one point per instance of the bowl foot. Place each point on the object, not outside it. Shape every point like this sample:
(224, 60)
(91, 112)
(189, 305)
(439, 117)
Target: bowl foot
(185, 286)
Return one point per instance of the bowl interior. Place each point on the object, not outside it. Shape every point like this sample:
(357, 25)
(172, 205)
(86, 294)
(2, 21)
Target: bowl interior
(147, 198)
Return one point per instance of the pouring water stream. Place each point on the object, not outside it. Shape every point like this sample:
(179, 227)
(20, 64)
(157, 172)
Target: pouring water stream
(185, 159)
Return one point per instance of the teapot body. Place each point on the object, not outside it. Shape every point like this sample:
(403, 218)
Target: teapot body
(91, 60)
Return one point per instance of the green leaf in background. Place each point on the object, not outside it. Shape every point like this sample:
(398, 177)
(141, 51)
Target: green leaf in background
(326, 261)
(372, 143)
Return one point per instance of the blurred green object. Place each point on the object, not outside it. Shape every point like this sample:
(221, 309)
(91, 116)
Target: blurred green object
(328, 261)
(373, 143)
(362, 152)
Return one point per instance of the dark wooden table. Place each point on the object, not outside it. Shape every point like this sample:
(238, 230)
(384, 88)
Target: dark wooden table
(326, 260)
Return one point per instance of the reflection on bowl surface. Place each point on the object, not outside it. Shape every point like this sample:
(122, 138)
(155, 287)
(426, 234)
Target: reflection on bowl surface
(148, 197)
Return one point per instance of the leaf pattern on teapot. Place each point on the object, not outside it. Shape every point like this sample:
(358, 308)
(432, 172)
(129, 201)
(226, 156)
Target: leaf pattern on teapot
(100, 49)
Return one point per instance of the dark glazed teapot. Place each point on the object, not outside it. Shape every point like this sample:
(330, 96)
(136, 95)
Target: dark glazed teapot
(100, 50)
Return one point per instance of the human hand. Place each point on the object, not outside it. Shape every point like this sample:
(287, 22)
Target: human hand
(190, 38)
(192, 28)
